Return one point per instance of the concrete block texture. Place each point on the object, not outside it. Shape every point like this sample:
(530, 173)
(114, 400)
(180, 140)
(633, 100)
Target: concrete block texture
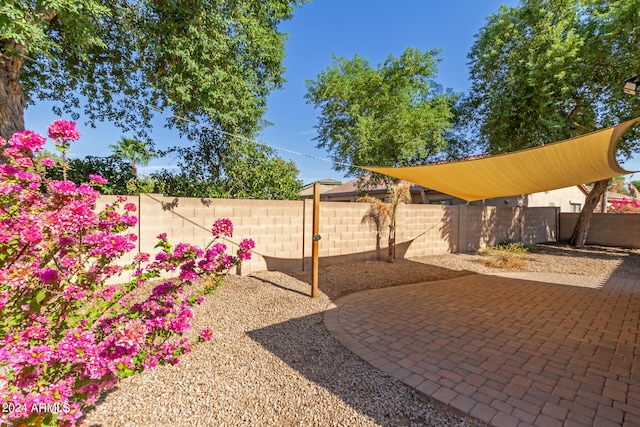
(610, 229)
(282, 230)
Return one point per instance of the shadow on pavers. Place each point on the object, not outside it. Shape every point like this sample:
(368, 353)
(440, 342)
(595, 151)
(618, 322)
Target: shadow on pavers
(306, 346)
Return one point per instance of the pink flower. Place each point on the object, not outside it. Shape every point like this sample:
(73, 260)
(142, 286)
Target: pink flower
(47, 162)
(162, 236)
(244, 251)
(222, 227)
(32, 235)
(38, 354)
(132, 334)
(8, 170)
(150, 362)
(206, 334)
(27, 140)
(180, 324)
(130, 207)
(49, 275)
(107, 293)
(36, 332)
(63, 130)
(64, 188)
(130, 220)
(141, 257)
(24, 163)
(97, 179)
(74, 292)
(227, 261)
(188, 275)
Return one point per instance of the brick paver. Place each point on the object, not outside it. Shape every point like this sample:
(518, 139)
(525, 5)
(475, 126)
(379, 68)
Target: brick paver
(558, 349)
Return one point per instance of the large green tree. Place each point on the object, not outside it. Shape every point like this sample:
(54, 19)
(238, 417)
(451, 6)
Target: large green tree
(548, 70)
(206, 62)
(218, 166)
(393, 115)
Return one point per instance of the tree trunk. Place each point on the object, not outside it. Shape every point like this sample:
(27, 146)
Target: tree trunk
(423, 194)
(11, 99)
(579, 236)
(392, 242)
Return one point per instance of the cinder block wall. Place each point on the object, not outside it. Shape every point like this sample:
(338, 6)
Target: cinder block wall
(427, 230)
(610, 229)
(275, 226)
(282, 230)
(483, 226)
(127, 258)
(540, 224)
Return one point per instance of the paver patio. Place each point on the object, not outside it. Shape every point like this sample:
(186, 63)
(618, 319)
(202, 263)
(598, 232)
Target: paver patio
(508, 351)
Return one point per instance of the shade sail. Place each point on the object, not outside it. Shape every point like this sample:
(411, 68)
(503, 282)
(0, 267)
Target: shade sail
(586, 158)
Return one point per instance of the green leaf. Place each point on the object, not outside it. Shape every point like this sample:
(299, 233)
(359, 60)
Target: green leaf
(40, 296)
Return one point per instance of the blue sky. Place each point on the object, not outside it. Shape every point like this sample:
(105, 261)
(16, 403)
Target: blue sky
(373, 29)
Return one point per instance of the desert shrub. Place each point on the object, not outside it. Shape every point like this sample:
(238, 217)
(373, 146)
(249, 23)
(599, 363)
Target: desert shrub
(506, 255)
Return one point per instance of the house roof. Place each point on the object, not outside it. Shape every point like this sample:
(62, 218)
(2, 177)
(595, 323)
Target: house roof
(324, 181)
(351, 187)
(610, 194)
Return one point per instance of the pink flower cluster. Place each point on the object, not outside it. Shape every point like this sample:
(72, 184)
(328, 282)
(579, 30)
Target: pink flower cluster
(222, 227)
(21, 147)
(206, 334)
(63, 130)
(66, 335)
(624, 206)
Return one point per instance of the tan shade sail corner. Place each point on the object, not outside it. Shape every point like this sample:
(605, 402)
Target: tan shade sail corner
(575, 161)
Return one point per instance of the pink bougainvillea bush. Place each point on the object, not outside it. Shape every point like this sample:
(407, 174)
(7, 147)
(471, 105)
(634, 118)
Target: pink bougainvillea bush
(624, 206)
(65, 336)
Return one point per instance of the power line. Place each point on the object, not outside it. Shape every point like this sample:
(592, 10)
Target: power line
(174, 116)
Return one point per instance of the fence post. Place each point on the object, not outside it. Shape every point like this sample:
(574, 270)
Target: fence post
(315, 240)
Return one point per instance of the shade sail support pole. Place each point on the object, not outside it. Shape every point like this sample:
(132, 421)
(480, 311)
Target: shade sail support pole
(315, 240)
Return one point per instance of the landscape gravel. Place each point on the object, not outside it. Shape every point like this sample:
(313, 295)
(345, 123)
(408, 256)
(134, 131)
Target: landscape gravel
(273, 363)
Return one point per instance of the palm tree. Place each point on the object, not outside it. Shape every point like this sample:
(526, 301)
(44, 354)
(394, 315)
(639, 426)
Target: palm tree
(137, 152)
(376, 217)
(379, 212)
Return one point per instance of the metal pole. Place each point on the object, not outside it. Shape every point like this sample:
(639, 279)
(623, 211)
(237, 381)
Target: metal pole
(315, 240)
(304, 230)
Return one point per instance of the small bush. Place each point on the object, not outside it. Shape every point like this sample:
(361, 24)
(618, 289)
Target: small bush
(514, 247)
(506, 255)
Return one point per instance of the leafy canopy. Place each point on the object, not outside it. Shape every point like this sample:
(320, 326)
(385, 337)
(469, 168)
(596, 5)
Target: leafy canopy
(219, 167)
(116, 171)
(548, 70)
(393, 115)
(206, 62)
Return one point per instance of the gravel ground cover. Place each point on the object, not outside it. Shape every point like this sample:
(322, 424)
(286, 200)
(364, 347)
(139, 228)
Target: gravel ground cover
(272, 362)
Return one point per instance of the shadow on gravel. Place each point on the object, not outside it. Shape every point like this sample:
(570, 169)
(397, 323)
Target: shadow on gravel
(628, 259)
(338, 280)
(306, 346)
(100, 400)
(284, 288)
